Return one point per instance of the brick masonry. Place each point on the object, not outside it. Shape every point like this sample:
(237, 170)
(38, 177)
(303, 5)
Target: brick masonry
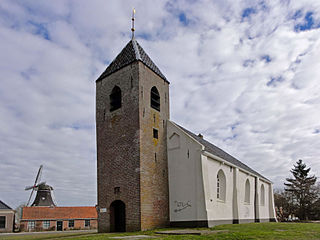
(79, 224)
(128, 156)
(9, 215)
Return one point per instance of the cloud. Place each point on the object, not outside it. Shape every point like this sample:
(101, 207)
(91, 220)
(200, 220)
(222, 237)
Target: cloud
(242, 73)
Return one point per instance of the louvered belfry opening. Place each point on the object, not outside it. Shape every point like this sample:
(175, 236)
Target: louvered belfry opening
(115, 99)
(155, 99)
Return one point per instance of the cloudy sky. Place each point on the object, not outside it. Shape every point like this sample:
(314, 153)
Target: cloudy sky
(245, 74)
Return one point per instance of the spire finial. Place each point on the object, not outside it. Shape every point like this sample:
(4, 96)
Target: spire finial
(132, 28)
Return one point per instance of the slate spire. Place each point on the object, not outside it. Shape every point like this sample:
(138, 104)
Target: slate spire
(130, 53)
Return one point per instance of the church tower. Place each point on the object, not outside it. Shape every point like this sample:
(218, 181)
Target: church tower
(132, 106)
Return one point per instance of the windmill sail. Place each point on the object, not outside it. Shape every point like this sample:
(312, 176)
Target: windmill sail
(35, 183)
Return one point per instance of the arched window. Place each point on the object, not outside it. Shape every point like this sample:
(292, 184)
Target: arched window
(115, 98)
(247, 192)
(155, 98)
(262, 195)
(221, 186)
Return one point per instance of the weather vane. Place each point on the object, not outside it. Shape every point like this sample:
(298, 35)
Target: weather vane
(132, 28)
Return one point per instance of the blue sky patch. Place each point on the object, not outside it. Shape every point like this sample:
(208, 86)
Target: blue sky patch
(40, 29)
(178, 13)
(183, 19)
(316, 131)
(28, 73)
(248, 63)
(297, 14)
(234, 136)
(263, 6)
(266, 58)
(234, 126)
(144, 36)
(308, 23)
(274, 80)
(247, 12)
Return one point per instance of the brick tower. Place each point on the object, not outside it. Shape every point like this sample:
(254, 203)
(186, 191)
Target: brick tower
(132, 106)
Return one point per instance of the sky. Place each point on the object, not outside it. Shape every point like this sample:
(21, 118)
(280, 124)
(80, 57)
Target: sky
(245, 74)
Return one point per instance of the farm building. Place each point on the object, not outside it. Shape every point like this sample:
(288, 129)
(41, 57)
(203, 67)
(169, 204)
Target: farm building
(44, 218)
(6, 218)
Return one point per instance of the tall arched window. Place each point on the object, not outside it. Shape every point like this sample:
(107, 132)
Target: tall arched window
(115, 98)
(155, 98)
(262, 195)
(221, 186)
(247, 192)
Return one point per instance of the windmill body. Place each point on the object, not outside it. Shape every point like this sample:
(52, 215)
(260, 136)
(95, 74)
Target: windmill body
(44, 195)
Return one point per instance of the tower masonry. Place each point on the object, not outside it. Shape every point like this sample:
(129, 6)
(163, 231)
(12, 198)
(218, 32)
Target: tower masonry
(132, 109)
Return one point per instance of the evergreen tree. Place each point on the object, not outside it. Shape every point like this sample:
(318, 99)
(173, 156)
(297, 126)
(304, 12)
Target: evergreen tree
(302, 187)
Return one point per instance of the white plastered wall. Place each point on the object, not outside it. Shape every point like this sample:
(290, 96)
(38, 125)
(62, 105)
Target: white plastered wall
(246, 210)
(192, 184)
(264, 208)
(186, 194)
(217, 209)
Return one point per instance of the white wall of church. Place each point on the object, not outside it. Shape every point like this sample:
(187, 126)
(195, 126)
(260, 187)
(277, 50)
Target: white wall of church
(217, 209)
(186, 194)
(193, 185)
(246, 209)
(264, 205)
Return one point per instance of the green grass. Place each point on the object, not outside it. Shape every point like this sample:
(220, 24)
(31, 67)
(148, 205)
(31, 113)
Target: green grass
(278, 231)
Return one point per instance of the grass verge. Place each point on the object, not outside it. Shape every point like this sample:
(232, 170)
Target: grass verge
(279, 231)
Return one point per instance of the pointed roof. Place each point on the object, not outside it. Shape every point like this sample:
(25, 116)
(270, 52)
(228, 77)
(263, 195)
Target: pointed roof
(210, 148)
(130, 53)
(4, 206)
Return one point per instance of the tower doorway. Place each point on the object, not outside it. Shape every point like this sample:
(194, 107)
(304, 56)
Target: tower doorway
(118, 216)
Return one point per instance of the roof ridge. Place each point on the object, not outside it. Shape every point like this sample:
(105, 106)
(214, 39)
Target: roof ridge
(136, 49)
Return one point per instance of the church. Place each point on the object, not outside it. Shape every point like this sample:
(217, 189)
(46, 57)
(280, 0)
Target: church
(152, 172)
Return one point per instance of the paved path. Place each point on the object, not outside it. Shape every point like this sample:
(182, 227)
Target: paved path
(134, 237)
(189, 232)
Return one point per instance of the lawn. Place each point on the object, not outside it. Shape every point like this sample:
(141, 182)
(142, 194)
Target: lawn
(294, 231)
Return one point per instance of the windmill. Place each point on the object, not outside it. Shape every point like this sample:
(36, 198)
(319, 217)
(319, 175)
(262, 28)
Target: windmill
(44, 195)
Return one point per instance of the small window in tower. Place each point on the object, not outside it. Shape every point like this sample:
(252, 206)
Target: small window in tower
(155, 133)
(116, 190)
(155, 98)
(115, 99)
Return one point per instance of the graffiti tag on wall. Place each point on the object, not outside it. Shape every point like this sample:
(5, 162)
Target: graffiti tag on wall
(180, 206)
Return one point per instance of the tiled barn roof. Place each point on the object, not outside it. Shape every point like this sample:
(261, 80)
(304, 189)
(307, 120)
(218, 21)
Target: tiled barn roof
(209, 147)
(130, 53)
(34, 213)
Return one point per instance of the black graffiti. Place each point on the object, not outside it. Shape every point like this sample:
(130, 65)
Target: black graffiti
(181, 206)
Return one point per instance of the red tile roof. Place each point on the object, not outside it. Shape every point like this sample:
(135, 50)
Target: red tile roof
(35, 213)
